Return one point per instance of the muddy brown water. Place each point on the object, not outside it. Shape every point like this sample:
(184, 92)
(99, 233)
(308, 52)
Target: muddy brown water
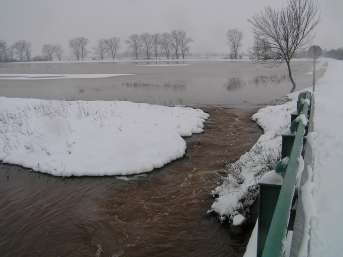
(162, 213)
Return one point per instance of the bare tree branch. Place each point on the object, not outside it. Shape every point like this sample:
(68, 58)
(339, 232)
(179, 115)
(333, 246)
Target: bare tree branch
(287, 30)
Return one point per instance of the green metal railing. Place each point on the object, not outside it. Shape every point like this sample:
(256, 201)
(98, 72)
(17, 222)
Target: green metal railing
(276, 201)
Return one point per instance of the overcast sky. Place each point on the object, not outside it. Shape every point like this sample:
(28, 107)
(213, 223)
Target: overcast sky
(206, 21)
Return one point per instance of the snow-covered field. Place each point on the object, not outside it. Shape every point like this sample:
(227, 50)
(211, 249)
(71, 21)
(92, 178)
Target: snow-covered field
(29, 76)
(94, 138)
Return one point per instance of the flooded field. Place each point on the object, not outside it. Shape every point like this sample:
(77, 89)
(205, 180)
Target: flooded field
(162, 213)
(235, 84)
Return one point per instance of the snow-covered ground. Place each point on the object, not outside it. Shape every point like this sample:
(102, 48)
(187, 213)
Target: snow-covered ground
(239, 187)
(321, 192)
(93, 138)
(29, 76)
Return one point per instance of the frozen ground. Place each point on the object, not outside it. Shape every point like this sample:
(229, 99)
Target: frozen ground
(94, 138)
(57, 76)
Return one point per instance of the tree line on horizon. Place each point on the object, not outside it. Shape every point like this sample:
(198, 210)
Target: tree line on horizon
(169, 45)
(174, 44)
(279, 34)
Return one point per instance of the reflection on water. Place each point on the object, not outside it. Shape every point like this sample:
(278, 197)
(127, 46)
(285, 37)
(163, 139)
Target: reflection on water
(234, 84)
(269, 80)
(175, 86)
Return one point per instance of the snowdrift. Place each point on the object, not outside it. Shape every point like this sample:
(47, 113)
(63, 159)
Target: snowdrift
(93, 138)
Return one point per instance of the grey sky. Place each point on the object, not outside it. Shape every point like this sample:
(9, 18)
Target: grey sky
(206, 21)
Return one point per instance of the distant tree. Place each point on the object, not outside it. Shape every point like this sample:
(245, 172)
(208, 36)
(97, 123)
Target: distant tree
(166, 44)
(184, 43)
(287, 30)
(147, 43)
(100, 49)
(48, 51)
(156, 42)
(22, 50)
(134, 43)
(112, 46)
(261, 49)
(78, 46)
(180, 43)
(335, 53)
(58, 52)
(234, 38)
(175, 43)
(3, 51)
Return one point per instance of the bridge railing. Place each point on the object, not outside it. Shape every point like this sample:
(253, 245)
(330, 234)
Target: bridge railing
(277, 202)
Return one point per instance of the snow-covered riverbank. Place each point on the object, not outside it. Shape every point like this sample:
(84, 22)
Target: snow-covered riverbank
(94, 138)
(318, 228)
(239, 187)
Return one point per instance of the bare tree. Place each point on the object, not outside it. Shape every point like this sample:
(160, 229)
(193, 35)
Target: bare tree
(166, 44)
(3, 51)
(58, 51)
(234, 37)
(48, 51)
(135, 44)
(112, 46)
(156, 42)
(175, 43)
(261, 49)
(147, 42)
(184, 43)
(287, 30)
(22, 50)
(101, 49)
(78, 47)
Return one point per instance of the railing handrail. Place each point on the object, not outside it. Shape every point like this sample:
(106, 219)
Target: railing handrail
(277, 233)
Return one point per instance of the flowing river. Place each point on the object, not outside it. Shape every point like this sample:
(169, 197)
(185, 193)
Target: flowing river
(161, 213)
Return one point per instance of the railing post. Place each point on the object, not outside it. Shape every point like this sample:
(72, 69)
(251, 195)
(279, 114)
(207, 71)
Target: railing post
(268, 197)
(294, 116)
(287, 144)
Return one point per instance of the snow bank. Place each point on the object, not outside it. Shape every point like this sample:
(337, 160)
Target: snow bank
(57, 76)
(320, 194)
(94, 138)
(239, 187)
